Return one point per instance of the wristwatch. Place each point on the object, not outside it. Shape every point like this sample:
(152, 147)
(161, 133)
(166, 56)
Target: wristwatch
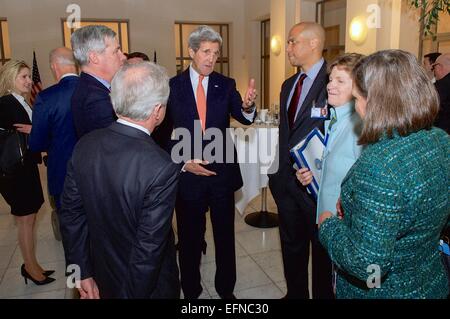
(250, 109)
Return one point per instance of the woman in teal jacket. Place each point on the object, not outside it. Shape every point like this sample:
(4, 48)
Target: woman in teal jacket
(395, 199)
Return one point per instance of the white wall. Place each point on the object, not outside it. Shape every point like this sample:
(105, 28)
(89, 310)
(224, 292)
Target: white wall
(36, 25)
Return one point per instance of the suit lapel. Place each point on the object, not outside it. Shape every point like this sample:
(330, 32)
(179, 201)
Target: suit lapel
(188, 94)
(285, 99)
(305, 110)
(211, 97)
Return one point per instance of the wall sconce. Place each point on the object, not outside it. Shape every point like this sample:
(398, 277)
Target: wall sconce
(275, 45)
(358, 30)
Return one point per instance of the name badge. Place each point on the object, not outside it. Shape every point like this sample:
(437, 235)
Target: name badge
(319, 112)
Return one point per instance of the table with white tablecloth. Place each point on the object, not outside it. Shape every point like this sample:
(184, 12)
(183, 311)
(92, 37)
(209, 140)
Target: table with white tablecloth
(256, 147)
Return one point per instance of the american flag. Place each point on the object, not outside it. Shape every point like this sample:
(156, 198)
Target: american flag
(37, 85)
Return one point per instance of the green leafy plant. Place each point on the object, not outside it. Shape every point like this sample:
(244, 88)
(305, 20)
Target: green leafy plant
(430, 12)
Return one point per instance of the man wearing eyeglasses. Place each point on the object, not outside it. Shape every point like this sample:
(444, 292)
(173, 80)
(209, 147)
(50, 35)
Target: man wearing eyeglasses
(303, 98)
(441, 69)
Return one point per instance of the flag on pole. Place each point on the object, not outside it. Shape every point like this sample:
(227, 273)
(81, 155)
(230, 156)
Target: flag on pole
(154, 56)
(36, 78)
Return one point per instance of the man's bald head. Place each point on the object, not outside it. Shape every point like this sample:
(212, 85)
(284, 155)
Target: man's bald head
(62, 62)
(312, 31)
(442, 66)
(305, 44)
(62, 55)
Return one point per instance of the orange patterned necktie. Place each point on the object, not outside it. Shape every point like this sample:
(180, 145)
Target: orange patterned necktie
(201, 103)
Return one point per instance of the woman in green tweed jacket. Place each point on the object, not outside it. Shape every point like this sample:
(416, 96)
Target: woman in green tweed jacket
(395, 199)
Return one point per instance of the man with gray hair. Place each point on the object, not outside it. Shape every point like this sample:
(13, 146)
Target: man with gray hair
(201, 99)
(97, 50)
(119, 196)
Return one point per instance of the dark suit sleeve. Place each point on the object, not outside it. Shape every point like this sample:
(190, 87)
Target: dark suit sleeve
(73, 225)
(236, 104)
(155, 225)
(102, 112)
(162, 134)
(39, 140)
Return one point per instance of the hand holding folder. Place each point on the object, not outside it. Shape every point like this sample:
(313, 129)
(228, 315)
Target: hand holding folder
(308, 154)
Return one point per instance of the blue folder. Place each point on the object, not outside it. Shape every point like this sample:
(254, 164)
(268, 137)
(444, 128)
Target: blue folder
(308, 154)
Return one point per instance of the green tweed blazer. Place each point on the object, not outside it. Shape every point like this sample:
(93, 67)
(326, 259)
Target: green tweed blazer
(396, 203)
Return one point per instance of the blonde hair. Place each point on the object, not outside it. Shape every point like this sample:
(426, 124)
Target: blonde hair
(400, 97)
(8, 74)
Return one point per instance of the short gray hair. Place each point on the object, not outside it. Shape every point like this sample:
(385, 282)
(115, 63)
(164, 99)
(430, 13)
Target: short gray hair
(137, 88)
(90, 38)
(201, 34)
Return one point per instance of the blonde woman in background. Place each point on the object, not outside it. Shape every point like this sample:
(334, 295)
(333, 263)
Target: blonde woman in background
(23, 191)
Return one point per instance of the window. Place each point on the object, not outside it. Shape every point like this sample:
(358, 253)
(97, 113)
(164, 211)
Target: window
(120, 27)
(265, 63)
(5, 49)
(182, 31)
(331, 14)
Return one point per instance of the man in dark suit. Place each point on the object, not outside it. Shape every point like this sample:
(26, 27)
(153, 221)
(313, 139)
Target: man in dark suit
(201, 99)
(97, 50)
(119, 196)
(53, 131)
(441, 70)
(302, 96)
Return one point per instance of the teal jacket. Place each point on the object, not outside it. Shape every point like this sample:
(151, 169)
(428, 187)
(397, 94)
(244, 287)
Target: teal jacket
(396, 203)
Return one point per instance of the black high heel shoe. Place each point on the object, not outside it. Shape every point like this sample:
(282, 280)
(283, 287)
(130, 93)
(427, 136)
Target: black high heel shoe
(46, 273)
(27, 276)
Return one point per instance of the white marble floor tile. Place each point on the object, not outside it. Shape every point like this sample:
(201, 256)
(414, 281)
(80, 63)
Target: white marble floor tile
(282, 286)
(2, 272)
(6, 253)
(13, 283)
(270, 291)
(271, 263)
(249, 275)
(7, 221)
(239, 222)
(8, 236)
(54, 294)
(47, 251)
(259, 240)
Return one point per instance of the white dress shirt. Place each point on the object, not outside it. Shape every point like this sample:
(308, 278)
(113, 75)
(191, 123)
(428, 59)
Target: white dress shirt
(194, 81)
(24, 103)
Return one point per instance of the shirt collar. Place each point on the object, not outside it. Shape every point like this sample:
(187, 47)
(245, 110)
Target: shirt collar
(102, 81)
(194, 74)
(18, 96)
(343, 110)
(136, 126)
(315, 69)
(69, 74)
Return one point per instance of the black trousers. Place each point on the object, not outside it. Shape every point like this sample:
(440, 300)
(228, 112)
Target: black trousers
(191, 221)
(298, 229)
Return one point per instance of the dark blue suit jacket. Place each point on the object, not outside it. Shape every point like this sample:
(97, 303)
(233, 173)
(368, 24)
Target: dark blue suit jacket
(116, 216)
(223, 100)
(91, 105)
(284, 180)
(53, 130)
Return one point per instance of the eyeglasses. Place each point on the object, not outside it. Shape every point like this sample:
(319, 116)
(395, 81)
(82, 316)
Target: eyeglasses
(292, 42)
